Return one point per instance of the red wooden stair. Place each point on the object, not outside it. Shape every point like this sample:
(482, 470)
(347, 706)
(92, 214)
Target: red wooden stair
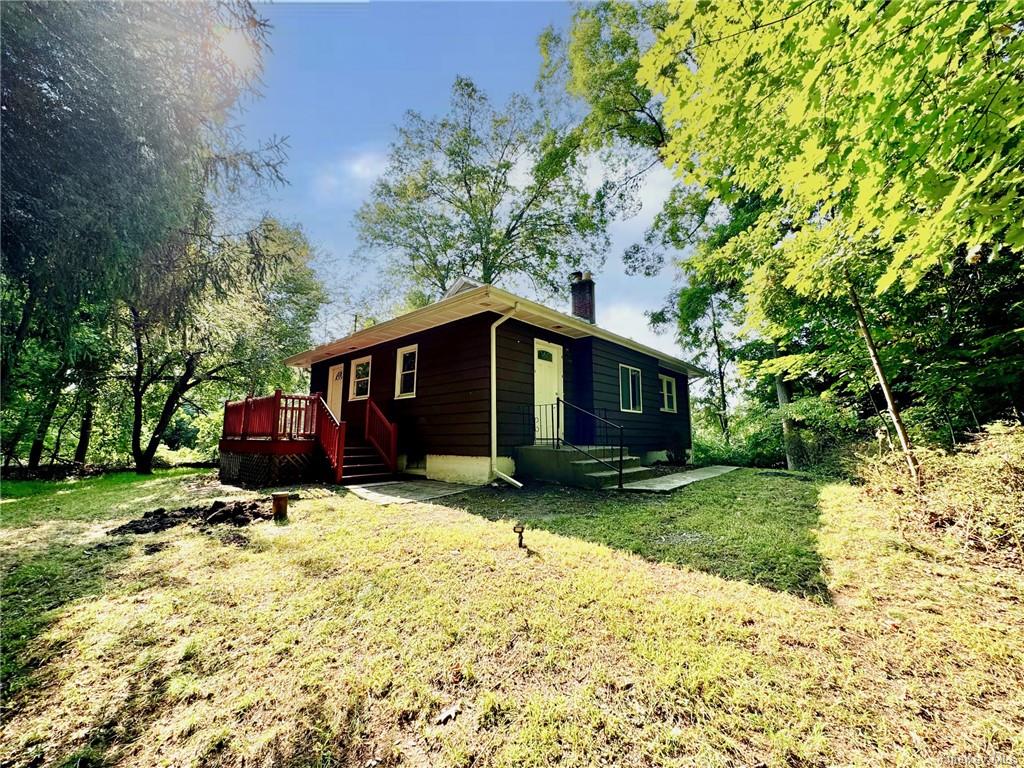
(283, 423)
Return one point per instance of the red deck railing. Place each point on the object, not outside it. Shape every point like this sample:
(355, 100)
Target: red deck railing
(277, 416)
(331, 434)
(382, 434)
(307, 417)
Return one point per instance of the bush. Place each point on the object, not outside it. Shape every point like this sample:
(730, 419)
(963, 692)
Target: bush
(827, 430)
(756, 440)
(974, 495)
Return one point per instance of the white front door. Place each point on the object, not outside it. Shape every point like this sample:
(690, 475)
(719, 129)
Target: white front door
(335, 380)
(547, 388)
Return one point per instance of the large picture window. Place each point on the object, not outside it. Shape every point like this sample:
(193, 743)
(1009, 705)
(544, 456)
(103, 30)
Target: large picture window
(359, 384)
(668, 393)
(405, 371)
(630, 399)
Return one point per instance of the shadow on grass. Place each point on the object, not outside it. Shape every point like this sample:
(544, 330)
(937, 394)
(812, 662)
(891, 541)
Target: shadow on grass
(34, 590)
(745, 525)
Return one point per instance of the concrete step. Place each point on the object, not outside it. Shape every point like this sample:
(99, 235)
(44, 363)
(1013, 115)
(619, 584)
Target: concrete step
(591, 465)
(610, 478)
(601, 451)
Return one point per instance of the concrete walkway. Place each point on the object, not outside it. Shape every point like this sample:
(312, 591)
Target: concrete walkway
(405, 491)
(667, 483)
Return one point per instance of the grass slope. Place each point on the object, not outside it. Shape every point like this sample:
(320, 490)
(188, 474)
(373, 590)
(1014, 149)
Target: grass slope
(759, 529)
(340, 639)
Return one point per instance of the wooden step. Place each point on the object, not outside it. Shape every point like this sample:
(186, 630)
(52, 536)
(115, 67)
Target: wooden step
(371, 477)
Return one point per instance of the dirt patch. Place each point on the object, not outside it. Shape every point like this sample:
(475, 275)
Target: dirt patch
(236, 513)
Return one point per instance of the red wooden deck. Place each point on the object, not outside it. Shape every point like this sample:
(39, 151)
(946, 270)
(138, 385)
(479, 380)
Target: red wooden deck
(281, 425)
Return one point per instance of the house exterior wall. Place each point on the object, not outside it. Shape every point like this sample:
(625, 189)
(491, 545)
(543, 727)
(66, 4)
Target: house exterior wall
(449, 418)
(651, 430)
(514, 351)
(450, 414)
(591, 381)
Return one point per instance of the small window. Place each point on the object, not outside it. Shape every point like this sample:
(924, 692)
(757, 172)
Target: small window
(405, 371)
(668, 393)
(630, 399)
(359, 386)
(545, 355)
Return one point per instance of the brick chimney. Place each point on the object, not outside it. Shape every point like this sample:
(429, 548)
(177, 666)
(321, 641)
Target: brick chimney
(583, 296)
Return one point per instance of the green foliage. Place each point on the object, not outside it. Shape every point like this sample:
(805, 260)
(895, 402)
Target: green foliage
(121, 296)
(496, 194)
(598, 63)
(888, 134)
(826, 427)
(823, 148)
(111, 111)
(755, 439)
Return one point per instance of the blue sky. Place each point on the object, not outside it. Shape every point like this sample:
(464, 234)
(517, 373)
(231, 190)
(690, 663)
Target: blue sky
(340, 78)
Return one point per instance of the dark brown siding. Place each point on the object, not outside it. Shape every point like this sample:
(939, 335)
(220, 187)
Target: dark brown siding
(451, 411)
(514, 351)
(651, 430)
(677, 424)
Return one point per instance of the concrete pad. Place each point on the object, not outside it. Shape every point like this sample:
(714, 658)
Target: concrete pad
(406, 491)
(667, 483)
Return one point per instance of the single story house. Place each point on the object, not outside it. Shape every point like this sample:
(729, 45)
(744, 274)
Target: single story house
(484, 384)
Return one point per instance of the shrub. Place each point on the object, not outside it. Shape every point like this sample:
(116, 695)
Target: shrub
(756, 440)
(974, 494)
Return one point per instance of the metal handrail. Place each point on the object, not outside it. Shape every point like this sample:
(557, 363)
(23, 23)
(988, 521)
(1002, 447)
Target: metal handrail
(559, 402)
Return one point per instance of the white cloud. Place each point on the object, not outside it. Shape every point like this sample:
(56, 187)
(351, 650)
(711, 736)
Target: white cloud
(350, 177)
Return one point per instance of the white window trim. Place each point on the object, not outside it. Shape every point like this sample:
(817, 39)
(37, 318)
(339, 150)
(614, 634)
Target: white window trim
(399, 395)
(352, 378)
(640, 375)
(675, 394)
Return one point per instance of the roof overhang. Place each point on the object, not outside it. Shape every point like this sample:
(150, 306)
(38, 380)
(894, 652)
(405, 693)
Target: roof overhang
(485, 298)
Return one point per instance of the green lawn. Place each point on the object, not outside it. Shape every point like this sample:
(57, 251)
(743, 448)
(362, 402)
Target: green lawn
(753, 525)
(752, 618)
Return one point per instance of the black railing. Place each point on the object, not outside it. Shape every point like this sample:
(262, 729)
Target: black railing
(552, 422)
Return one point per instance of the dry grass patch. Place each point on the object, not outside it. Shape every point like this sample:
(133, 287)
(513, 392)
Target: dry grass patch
(343, 637)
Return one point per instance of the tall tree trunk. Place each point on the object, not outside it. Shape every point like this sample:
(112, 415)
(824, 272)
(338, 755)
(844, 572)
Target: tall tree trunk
(84, 434)
(723, 415)
(9, 360)
(143, 456)
(883, 382)
(791, 439)
(12, 437)
(35, 453)
(55, 453)
(139, 388)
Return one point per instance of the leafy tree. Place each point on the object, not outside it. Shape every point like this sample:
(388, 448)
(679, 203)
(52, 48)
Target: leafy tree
(117, 116)
(887, 135)
(207, 312)
(897, 122)
(110, 110)
(494, 194)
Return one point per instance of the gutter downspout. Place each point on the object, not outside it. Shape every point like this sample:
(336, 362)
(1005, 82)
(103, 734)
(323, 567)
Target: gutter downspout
(494, 399)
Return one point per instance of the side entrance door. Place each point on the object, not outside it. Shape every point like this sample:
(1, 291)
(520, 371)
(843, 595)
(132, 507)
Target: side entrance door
(547, 388)
(335, 386)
